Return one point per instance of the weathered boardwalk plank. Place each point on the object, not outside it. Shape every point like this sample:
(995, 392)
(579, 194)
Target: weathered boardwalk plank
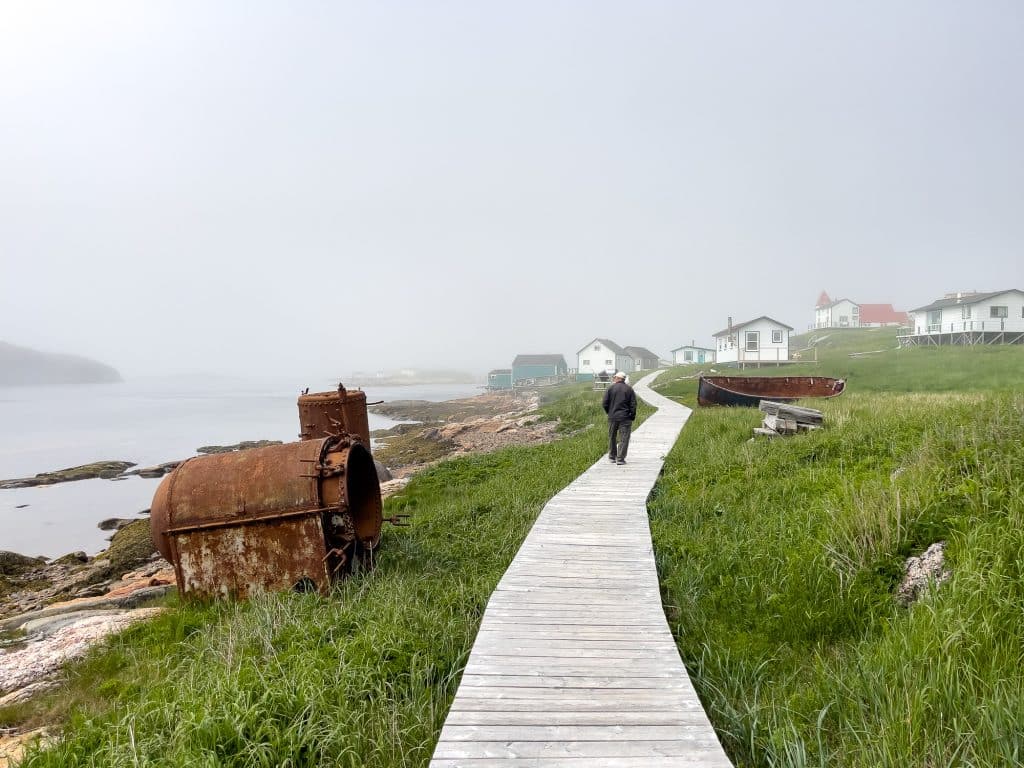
(574, 665)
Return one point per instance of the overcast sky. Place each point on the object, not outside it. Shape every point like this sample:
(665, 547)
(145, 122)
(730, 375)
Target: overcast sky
(315, 188)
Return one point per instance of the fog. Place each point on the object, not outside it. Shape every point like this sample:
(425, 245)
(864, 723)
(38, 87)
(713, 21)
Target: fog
(255, 188)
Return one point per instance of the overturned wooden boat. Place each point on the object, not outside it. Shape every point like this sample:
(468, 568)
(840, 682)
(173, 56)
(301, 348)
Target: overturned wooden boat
(751, 390)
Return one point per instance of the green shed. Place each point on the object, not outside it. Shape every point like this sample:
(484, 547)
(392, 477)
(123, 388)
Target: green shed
(500, 378)
(526, 367)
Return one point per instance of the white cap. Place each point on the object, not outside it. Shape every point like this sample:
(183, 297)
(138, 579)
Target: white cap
(619, 375)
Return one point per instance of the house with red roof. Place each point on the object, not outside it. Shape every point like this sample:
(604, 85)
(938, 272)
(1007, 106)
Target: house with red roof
(844, 313)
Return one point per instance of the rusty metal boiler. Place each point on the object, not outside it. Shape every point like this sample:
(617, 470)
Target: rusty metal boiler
(298, 515)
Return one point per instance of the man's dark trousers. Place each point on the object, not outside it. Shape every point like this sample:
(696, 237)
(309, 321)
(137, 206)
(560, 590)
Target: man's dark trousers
(623, 427)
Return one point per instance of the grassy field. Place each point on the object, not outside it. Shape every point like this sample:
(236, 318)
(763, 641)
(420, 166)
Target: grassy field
(917, 369)
(779, 560)
(363, 677)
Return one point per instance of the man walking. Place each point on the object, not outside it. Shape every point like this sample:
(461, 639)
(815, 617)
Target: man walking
(620, 405)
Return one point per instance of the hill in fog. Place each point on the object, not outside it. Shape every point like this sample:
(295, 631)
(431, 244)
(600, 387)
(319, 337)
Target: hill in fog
(20, 366)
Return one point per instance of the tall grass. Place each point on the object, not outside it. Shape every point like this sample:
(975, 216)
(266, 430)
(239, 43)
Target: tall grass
(778, 562)
(363, 677)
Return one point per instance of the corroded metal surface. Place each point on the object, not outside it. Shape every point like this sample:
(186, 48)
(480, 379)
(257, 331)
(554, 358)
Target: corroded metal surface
(322, 414)
(294, 515)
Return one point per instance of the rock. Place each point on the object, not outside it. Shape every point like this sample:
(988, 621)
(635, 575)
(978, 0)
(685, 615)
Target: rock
(383, 473)
(242, 446)
(104, 469)
(114, 523)
(72, 558)
(129, 548)
(920, 572)
(13, 564)
(158, 470)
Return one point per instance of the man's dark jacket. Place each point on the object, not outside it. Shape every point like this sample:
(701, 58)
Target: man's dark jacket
(620, 402)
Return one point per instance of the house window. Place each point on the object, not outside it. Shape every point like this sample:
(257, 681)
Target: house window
(776, 337)
(597, 347)
(586, 362)
(934, 320)
(609, 362)
(965, 313)
(844, 321)
(855, 311)
(688, 357)
(999, 311)
(752, 340)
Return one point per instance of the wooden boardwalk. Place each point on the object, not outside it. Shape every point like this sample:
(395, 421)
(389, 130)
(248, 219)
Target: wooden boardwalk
(574, 664)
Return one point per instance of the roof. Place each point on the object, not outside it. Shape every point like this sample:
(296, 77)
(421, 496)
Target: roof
(823, 301)
(691, 346)
(972, 298)
(642, 352)
(608, 343)
(737, 326)
(538, 360)
(837, 301)
(881, 313)
(499, 371)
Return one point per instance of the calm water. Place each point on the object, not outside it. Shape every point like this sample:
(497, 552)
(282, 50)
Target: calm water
(147, 421)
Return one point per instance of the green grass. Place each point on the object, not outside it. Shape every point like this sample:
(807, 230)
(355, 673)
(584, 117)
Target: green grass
(917, 369)
(778, 561)
(363, 677)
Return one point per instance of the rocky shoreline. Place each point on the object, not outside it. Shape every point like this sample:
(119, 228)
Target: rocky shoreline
(120, 470)
(52, 611)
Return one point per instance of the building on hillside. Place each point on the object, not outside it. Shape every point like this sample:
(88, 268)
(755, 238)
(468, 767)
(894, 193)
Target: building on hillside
(601, 356)
(968, 318)
(499, 378)
(533, 368)
(762, 341)
(844, 313)
(692, 354)
(643, 358)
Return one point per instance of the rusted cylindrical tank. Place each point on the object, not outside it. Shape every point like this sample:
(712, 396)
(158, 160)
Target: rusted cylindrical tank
(293, 515)
(322, 414)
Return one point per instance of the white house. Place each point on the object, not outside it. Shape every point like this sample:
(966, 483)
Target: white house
(692, 354)
(969, 318)
(841, 313)
(603, 355)
(755, 342)
(844, 313)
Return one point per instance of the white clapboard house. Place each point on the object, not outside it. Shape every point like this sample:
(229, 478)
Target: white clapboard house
(762, 341)
(603, 355)
(968, 318)
(692, 355)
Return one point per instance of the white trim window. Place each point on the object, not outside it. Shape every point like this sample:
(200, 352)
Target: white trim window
(776, 337)
(752, 340)
(965, 312)
(688, 356)
(586, 362)
(999, 311)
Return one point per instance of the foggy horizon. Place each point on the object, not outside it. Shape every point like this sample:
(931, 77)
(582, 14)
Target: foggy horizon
(260, 189)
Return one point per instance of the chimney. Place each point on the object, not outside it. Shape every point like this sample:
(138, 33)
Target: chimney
(730, 322)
